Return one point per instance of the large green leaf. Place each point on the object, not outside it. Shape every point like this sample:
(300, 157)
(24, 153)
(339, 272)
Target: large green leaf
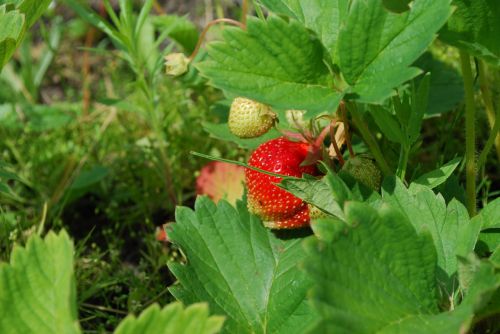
(33, 9)
(323, 17)
(172, 319)
(453, 233)
(446, 87)
(489, 219)
(328, 193)
(274, 62)
(378, 276)
(12, 25)
(241, 269)
(475, 26)
(376, 273)
(7, 47)
(438, 176)
(179, 28)
(37, 288)
(376, 47)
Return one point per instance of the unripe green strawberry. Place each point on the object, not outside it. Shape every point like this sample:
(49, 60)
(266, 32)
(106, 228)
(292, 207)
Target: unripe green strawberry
(364, 170)
(249, 119)
(176, 64)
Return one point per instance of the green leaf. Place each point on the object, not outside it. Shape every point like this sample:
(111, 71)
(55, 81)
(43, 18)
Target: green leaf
(489, 219)
(446, 89)
(437, 176)
(453, 233)
(222, 132)
(274, 62)
(324, 18)
(377, 47)
(7, 47)
(475, 26)
(89, 177)
(420, 99)
(375, 273)
(483, 288)
(490, 215)
(328, 193)
(179, 28)
(484, 283)
(91, 17)
(173, 318)
(241, 269)
(388, 124)
(12, 25)
(33, 9)
(37, 288)
(495, 257)
(397, 6)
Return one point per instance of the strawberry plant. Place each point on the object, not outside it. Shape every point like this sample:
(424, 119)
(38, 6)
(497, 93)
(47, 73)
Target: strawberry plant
(352, 125)
(396, 260)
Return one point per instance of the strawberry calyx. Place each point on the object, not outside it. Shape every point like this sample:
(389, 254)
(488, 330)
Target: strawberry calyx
(314, 143)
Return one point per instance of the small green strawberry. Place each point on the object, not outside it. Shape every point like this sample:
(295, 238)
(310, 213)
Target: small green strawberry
(249, 119)
(176, 64)
(364, 170)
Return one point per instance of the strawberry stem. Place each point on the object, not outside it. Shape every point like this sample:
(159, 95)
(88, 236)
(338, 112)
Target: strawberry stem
(244, 10)
(362, 127)
(334, 143)
(470, 133)
(346, 129)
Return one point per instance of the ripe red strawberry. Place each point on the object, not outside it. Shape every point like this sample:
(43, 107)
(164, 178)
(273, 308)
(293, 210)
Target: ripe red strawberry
(276, 207)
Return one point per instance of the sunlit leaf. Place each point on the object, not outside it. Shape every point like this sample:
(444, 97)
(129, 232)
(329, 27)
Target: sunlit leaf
(241, 269)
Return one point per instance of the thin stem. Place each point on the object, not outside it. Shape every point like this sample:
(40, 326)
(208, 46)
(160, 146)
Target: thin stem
(258, 10)
(219, 10)
(244, 11)
(362, 127)
(403, 162)
(44, 218)
(346, 129)
(334, 143)
(470, 136)
(160, 137)
(205, 30)
(488, 105)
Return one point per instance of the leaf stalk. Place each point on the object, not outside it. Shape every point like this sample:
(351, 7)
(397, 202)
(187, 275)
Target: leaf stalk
(362, 127)
(470, 133)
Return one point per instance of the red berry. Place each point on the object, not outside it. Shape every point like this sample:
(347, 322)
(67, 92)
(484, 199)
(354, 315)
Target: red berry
(276, 207)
